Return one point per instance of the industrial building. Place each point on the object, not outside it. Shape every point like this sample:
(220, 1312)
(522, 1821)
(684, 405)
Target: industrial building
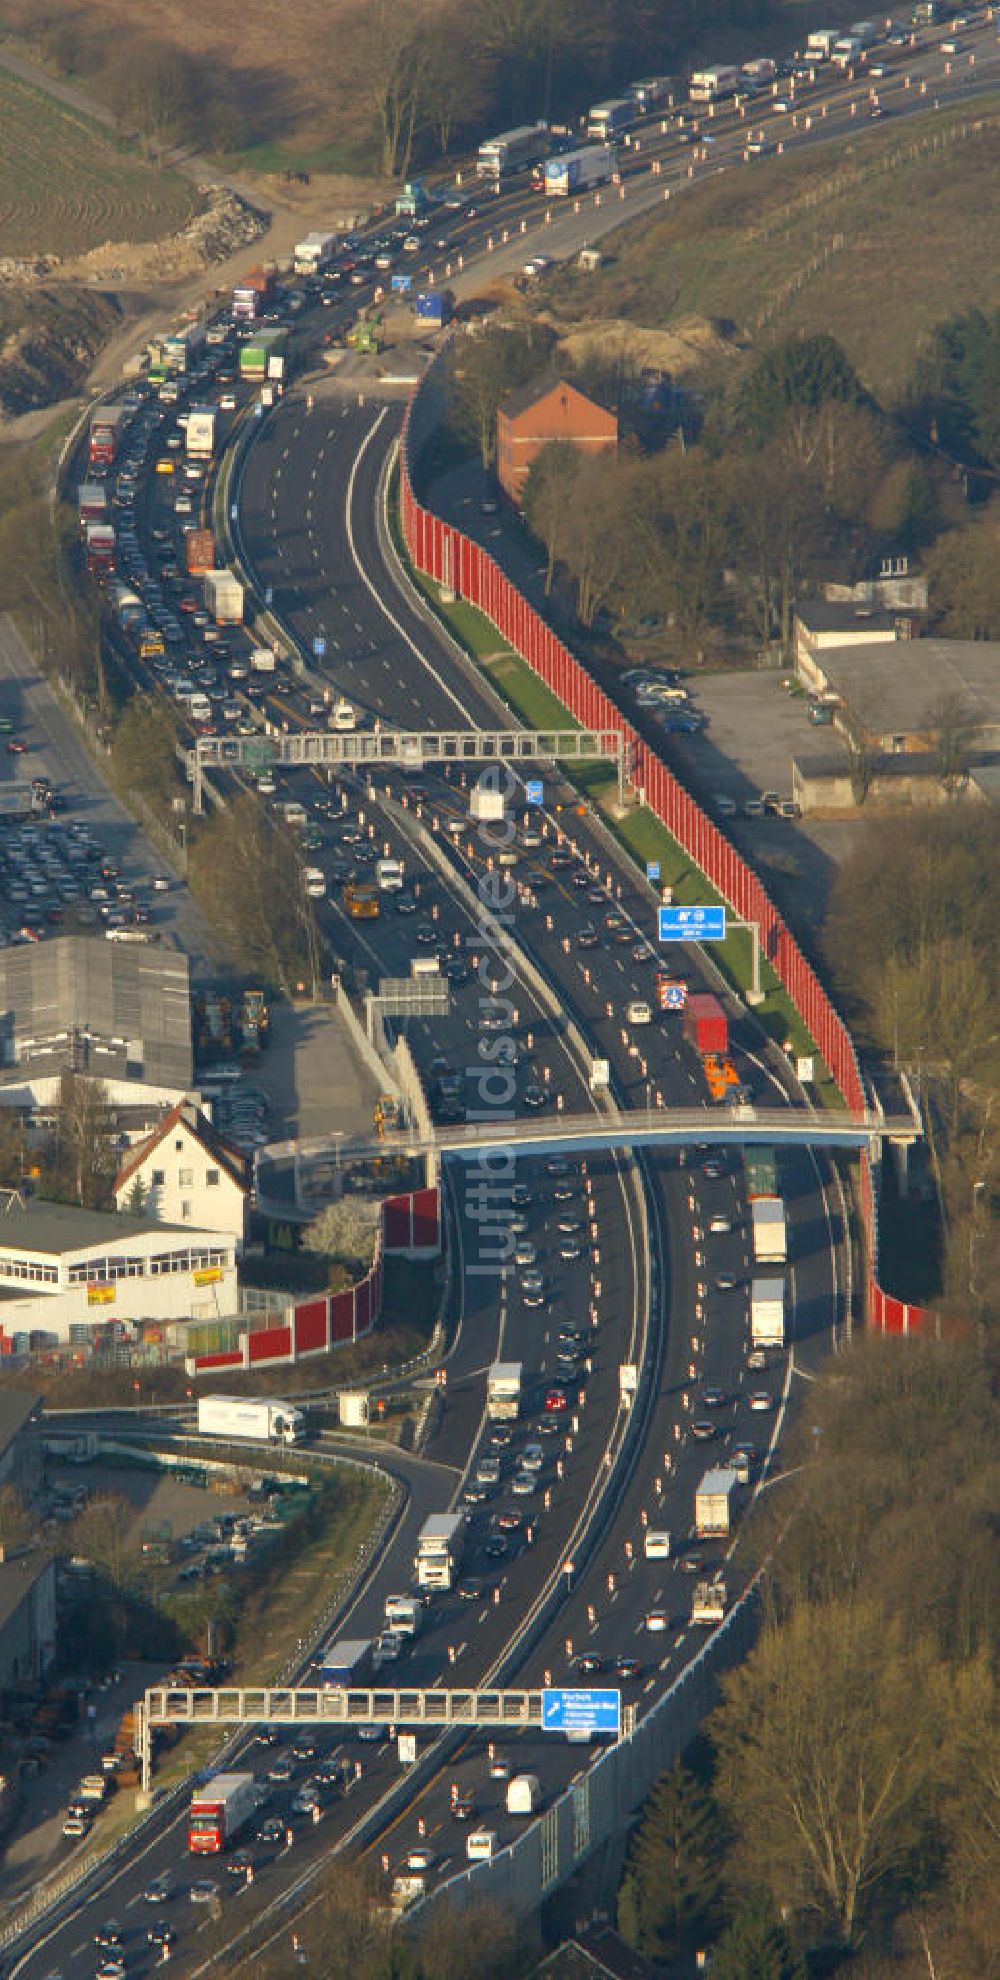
(115, 1012)
(65, 1271)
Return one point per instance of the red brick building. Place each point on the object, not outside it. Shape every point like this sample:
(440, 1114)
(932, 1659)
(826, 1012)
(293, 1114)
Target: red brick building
(536, 414)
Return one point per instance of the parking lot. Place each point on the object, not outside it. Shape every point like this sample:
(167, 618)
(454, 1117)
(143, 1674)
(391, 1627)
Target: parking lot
(50, 862)
(754, 729)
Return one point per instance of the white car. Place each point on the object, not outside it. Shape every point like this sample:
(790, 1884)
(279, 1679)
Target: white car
(761, 1400)
(720, 1225)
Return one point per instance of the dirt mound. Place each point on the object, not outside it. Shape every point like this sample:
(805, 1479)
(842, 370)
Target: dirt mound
(226, 223)
(49, 338)
(686, 347)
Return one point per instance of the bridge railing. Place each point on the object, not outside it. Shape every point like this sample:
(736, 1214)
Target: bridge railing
(443, 553)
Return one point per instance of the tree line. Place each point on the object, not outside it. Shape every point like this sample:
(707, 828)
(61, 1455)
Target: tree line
(844, 1817)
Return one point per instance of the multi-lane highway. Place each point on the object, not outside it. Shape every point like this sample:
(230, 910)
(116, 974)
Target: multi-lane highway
(609, 1265)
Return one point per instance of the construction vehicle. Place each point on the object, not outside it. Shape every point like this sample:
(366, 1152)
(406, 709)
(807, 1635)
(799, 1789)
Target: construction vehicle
(257, 1013)
(386, 1115)
(720, 1075)
(367, 336)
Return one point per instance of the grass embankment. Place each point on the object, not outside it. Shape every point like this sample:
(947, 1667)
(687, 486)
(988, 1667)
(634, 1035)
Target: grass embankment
(639, 831)
(872, 239)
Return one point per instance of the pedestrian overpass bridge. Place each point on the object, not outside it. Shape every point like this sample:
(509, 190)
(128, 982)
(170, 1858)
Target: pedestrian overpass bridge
(558, 1133)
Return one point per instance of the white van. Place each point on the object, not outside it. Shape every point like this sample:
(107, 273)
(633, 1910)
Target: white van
(315, 883)
(656, 1544)
(294, 814)
(342, 716)
(639, 1012)
(424, 966)
(480, 1845)
(389, 875)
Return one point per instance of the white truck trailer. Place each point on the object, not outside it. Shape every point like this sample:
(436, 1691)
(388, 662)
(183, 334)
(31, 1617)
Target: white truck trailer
(577, 171)
(440, 1544)
(767, 1313)
(503, 1392)
(714, 1504)
(224, 598)
(770, 1230)
(708, 1606)
(256, 1417)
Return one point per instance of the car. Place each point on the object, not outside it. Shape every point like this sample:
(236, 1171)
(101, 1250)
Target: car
(532, 1282)
(500, 1437)
(16, 746)
(488, 1471)
(509, 1522)
(373, 1734)
(76, 1826)
(272, 1830)
(204, 1890)
(305, 1749)
(240, 1864)
(757, 1360)
(305, 1803)
(112, 1967)
(524, 1485)
(564, 1193)
(690, 1563)
(418, 1860)
(569, 1225)
(281, 1771)
(589, 1663)
(160, 1933)
(473, 1589)
(535, 1096)
(713, 1169)
(761, 1400)
(720, 1225)
(657, 1620)
(109, 1936)
(714, 1399)
(555, 1401)
(726, 1282)
(570, 1249)
(627, 1667)
(497, 1547)
(463, 1805)
(160, 1889)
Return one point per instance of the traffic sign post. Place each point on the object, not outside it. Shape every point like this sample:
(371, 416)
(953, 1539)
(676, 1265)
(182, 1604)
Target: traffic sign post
(691, 924)
(567, 1711)
(653, 872)
(534, 791)
(319, 646)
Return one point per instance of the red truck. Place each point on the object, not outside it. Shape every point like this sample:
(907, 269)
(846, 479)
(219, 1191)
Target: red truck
(220, 1812)
(199, 551)
(100, 549)
(704, 1024)
(105, 432)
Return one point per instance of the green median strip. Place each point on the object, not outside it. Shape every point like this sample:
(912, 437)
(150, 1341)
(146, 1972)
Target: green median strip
(640, 832)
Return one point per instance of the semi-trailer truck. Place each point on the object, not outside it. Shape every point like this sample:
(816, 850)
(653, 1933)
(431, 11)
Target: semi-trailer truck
(767, 1313)
(224, 598)
(256, 1417)
(346, 1663)
(440, 1544)
(105, 432)
(714, 1503)
(220, 1811)
(770, 1230)
(577, 171)
(503, 1392)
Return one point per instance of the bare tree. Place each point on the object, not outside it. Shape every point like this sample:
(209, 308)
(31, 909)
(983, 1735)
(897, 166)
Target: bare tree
(383, 52)
(344, 1230)
(824, 1764)
(953, 724)
(100, 1533)
(548, 495)
(84, 1140)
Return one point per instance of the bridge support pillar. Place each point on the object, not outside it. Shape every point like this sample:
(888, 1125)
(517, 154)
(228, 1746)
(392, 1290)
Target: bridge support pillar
(144, 1748)
(900, 1146)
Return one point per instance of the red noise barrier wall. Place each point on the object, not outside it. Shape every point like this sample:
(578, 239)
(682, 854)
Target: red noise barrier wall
(443, 553)
(410, 1224)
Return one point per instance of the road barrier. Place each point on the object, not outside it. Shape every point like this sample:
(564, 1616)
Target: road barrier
(443, 553)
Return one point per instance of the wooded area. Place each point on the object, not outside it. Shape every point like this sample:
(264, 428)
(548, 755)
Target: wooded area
(847, 1816)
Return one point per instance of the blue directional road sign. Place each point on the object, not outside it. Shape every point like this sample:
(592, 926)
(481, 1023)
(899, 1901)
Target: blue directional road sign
(319, 647)
(534, 791)
(401, 284)
(581, 1711)
(692, 924)
(653, 870)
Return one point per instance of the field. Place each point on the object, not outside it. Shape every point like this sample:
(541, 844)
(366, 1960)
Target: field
(873, 240)
(65, 188)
